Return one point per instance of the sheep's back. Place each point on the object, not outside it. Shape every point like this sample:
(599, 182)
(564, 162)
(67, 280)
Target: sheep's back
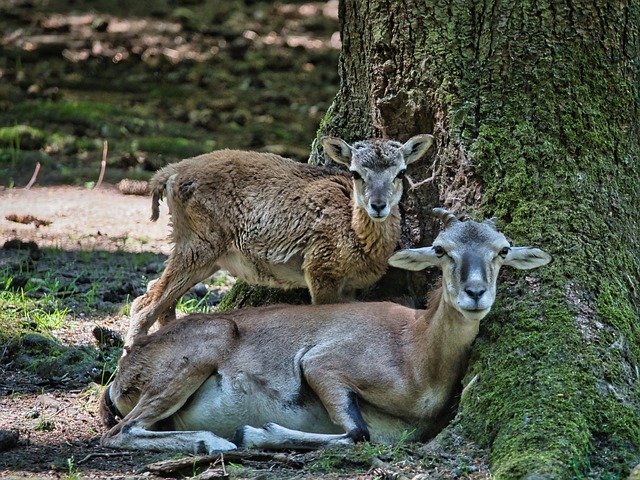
(271, 206)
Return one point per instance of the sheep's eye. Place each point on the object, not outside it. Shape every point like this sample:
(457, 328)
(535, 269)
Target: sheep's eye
(355, 175)
(401, 174)
(504, 252)
(439, 251)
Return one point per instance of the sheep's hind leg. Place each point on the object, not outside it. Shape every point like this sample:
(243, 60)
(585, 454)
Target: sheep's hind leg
(168, 314)
(183, 271)
(165, 389)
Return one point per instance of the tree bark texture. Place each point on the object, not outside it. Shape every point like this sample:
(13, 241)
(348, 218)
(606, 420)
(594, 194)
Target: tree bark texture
(535, 110)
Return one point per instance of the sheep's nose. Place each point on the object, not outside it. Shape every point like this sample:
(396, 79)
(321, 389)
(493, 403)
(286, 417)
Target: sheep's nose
(378, 206)
(475, 293)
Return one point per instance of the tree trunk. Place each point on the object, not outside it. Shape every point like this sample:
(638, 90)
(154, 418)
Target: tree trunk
(534, 106)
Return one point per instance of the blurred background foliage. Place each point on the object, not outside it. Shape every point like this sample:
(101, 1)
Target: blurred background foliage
(159, 81)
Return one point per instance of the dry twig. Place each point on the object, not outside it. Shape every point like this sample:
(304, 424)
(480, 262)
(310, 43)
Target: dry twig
(169, 466)
(105, 454)
(33, 177)
(103, 164)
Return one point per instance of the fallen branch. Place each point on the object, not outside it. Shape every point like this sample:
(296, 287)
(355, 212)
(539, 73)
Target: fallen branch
(169, 466)
(33, 177)
(26, 220)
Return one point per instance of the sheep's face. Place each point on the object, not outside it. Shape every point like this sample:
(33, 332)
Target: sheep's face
(470, 255)
(376, 188)
(378, 167)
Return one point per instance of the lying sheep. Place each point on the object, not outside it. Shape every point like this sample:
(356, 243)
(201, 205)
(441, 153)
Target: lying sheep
(312, 376)
(276, 222)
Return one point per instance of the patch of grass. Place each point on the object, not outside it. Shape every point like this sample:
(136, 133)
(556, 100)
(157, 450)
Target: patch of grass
(13, 137)
(10, 139)
(194, 305)
(90, 397)
(22, 313)
(126, 128)
(143, 258)
(173, 91)
(370, 450)
(45, 424)
(86, 113)
(221, 279)
(47, 320)
(73, 473)
(37, 304)
(109, 369)
(361, 454)
(330, 460)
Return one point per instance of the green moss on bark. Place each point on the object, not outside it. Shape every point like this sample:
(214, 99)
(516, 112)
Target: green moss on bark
(545, 101)
(243, 295)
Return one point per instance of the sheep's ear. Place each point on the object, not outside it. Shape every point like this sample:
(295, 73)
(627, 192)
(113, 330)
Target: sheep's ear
(526, 258)
(492, 222)
(416, 147)
(414, 258)
(337, 149)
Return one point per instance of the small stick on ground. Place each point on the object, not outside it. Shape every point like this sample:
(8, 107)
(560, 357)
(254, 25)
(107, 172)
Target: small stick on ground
(103, 164)
(92, 455)
(33, 177)
(169, 466)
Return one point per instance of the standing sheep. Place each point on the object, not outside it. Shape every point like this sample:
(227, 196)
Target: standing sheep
(276, 222)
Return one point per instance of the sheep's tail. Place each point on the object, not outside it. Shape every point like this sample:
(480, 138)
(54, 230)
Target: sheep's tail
(157, 185)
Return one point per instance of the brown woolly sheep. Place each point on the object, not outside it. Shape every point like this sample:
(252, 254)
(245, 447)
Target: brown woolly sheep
(276, 222)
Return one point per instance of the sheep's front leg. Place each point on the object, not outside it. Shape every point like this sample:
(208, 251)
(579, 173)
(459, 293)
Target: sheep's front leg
(274, 436)
(337, 396)
(340, 402)
(324, 288)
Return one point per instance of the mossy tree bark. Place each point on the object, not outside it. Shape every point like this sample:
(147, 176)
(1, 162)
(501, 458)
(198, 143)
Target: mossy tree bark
(535, 109)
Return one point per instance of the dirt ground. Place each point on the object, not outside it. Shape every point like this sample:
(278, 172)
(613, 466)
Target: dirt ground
(56, 417)
(101, 218)
(59, 425)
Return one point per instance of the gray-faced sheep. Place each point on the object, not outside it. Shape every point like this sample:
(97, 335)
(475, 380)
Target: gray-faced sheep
(276, 222)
